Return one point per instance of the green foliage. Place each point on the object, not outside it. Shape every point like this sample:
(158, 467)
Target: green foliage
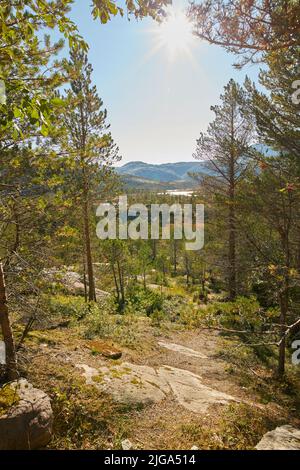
(143, 301)
(241, 426)
(120, 328)
(106, 9)
(243, 313)
(8, 398)
(73, 307)
(22, 59)
(157, 317)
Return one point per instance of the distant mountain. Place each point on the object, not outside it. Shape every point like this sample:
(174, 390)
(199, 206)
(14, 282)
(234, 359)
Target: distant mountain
(145, 184)
(164, 172)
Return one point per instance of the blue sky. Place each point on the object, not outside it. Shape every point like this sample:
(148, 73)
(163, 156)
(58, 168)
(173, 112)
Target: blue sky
(156, 105)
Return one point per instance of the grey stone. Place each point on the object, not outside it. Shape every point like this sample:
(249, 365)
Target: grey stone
(72, 281)
(128, 383)
(126, 444)
(135, 384)
(190, 392)
(28, 423)
(282, 438)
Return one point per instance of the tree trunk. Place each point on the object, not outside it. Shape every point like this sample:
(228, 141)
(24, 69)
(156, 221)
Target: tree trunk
(283, 314)
(284, 301)
(121, 285)
(232, 253)
(10, 352)
(175, 256)
(88, 251)
(116, 282)
(154, 249)
(231, 219)
(187, 270)
(231, 237)
(84, 279)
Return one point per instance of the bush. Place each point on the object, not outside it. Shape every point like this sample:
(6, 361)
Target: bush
(121, 328)
(68, 306)
(143, 301)
(244, 312)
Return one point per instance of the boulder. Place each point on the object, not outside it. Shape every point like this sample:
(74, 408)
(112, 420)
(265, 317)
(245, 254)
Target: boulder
(282, 438)
(72, 282)
(27, 421)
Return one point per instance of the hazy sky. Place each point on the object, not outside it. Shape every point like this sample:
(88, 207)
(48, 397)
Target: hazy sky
(157, 103)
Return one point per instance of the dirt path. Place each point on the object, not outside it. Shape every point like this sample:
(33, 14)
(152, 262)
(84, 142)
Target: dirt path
(174, 384)
(182, 381)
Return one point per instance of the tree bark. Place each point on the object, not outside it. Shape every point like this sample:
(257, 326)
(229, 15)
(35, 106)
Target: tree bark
(116, 282)
(10, 352)
(231, 218)
(283, 314)
(121, 284)
(284, 297)
(232, 251)
(175, 255)
(88, 251)
(86, 212)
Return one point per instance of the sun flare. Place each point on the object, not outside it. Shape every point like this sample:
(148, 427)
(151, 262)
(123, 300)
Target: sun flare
(175, 33)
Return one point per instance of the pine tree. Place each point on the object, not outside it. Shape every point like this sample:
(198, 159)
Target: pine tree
(276, 202)
(225, 146)
(90, 145)
(249, 28)
(277, 112)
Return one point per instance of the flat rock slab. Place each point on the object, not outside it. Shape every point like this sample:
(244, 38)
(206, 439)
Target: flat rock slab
(137, 384)
(190, 392)
(282, 438)
(128, 383)
(182, 349)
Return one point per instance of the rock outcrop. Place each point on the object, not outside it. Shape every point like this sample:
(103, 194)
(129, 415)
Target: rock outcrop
(139, 384)
(282, 438)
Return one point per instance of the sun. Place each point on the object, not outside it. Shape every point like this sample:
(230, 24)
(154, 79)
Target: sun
(175, 33)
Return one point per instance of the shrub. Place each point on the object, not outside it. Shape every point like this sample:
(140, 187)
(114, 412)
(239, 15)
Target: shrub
(143, 301)
(244, 312)
(68, 306)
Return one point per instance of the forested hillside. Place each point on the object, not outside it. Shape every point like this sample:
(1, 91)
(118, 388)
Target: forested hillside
(165, 172)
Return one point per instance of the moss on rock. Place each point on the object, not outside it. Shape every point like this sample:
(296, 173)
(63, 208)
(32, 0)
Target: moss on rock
(8, 398)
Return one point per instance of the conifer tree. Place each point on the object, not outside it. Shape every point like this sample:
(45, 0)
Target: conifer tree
(90, 145)
(225, 146)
